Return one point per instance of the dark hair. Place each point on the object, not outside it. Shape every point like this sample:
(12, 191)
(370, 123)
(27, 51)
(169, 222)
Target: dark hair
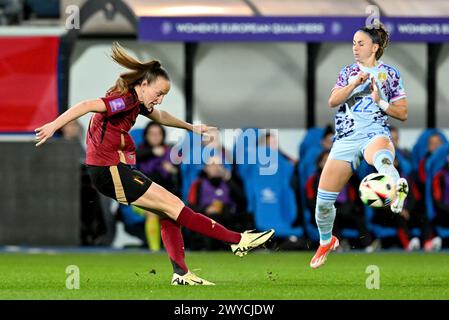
(328, 130)
(378, 35)
(321, 157)
(148, 127)
(140, 71)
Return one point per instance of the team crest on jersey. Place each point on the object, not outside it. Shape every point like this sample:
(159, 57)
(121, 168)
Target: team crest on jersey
(117, 104)
(382, 76)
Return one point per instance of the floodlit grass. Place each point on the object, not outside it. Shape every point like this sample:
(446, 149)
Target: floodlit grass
(259, 276)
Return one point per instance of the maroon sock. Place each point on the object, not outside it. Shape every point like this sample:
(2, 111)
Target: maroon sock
(403, 238)
(174, 244)
(206, 226)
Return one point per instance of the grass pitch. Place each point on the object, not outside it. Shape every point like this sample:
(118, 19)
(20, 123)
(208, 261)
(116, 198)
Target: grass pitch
(258, 276)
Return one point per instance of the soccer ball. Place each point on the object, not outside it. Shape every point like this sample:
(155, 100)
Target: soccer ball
(377, 190)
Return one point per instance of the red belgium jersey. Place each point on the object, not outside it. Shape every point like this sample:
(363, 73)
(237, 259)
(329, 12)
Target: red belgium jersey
(108, 141)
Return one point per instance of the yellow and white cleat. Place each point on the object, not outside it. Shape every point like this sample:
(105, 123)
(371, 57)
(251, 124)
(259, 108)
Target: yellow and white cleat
(401, 194)
(251, 240)
(189, 279)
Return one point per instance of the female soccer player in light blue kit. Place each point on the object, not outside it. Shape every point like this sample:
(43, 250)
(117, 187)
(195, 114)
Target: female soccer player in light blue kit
(366, 93)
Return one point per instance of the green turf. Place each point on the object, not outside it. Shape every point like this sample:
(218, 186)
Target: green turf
(260, 275)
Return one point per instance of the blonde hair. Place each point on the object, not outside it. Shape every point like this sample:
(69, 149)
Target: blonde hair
(139, 71)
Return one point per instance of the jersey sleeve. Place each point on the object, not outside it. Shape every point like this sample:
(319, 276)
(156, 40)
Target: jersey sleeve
(396, 85)
(342, 80)
(118, 104)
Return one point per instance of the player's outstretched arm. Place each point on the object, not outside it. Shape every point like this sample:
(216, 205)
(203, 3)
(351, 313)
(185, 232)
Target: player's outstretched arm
(166, 119)
(47, 130)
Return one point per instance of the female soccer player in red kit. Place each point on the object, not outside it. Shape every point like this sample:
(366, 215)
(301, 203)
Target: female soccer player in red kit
(110, 158)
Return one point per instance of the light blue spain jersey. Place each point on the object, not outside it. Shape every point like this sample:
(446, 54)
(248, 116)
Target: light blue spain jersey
(360, 113)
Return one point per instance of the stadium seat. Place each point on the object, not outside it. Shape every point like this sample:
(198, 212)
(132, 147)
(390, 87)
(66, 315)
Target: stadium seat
(137, 135)
(274, 201)
(130, 216)
(191, 165)
(310, 228)
(307, 167)
(378, 231)
(404, 163)
(311, 139)
(420, 148)
(243, 152)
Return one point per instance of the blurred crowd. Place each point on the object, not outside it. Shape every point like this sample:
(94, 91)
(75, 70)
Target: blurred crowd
(15, 12)
(238, 196)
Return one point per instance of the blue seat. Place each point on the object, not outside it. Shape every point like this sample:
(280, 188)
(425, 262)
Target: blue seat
(311, 139)
(274, 200)
(435, 163)
(191, 164)
(404, 163)
(309, 150)
(307, 165)
(378, 230)
(420, 148)
(131, 217)
(245, 159)
(137, 135)
(310, 228)
(349, 233)
(306, 168)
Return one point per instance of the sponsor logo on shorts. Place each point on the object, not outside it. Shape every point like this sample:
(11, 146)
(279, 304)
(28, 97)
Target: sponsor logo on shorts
(117, 104)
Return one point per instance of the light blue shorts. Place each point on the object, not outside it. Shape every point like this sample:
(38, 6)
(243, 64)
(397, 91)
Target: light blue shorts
(352, 148)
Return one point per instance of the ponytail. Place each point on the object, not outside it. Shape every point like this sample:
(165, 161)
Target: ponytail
(378, 35)
(139, 71)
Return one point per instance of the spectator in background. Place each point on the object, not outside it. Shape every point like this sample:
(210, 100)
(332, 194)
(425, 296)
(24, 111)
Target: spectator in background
(214, 147)
(395, 139)
(350, 208)
(412, 216)
(328, 137)
(73, 132)
(409, 218)
(11, 12)
(416, 204)
(97, 221)
(440, 194)
(153, 158)
(142, 225)
(271, 141)
(219, 197)
(434, 142)
(416, 218)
